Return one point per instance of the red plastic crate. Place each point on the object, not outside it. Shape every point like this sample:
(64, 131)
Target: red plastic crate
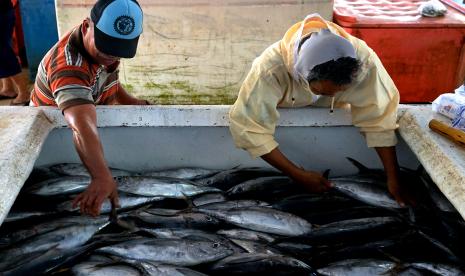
(424, 56)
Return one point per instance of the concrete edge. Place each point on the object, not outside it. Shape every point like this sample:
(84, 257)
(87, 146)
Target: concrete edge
(440, 166)
(19, 158)
(204, 115)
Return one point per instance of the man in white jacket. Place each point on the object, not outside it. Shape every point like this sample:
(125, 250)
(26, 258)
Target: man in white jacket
(317, 63)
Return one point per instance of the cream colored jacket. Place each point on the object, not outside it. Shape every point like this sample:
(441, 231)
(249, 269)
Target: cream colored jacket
(373, 97)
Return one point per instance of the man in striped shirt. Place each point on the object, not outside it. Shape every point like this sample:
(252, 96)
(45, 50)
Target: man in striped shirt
(81, 71)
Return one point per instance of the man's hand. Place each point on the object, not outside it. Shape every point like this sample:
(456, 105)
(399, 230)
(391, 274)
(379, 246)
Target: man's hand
(312, 181)
(401, 194)
(123, 97)
(90, 201)
(142, 102)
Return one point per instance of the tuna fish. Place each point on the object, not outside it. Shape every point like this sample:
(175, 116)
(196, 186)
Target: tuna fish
(233, 204)
(181, 220)
(169, 251)
(352, 230)
(439, 269)
(102, 269)
(265, 188)
(184, 173)
(358, 267)
(261, 264)
(366, 192)
(61, 238)
(42, 228)
(264, 219)
(126, 202)
(64, 185)
(255, 247)
(161, 186)
(20, 215)
(208, 198)
(247, 235)
(130, 268)
(77, 169)
(226, 179)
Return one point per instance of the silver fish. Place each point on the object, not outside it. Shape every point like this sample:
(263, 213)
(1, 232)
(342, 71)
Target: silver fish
(439, 269)
(20, 215)
(343, 229)
(226, 179)
(264, 219)
(180, 233)
(168, 270)
(125, 201)
(265, 188)
(192, 234)
(64, 185)
(161, 186)
(181, 220)
(129, 267)
(184, 173)
(358, 267)
(262, 264)
(208, 198)
(100, 269)
(244, 234)
(169, 251)
(255, 247)
(60, 238)
(233, 204)
(366, 192)
(77, 169)
(42, 228)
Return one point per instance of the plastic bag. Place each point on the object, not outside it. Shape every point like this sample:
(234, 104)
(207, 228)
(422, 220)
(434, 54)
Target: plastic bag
(459, 122)
(450, 105)
(460, 91)
(432, 8)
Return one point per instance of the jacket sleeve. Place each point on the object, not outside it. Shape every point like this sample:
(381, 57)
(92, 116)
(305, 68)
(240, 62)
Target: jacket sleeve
(254, 115)
(374, 102)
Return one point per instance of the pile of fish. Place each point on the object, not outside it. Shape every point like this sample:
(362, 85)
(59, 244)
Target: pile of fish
(193, 221)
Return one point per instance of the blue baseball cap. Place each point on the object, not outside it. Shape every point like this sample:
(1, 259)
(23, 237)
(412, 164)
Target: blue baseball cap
(117, 27)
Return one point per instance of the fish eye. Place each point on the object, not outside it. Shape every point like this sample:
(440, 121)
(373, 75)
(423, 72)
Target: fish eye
(208, 218)
(216, 245)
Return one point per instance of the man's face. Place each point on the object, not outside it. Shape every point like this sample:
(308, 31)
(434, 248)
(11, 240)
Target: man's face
(326, 88)
(89, 42)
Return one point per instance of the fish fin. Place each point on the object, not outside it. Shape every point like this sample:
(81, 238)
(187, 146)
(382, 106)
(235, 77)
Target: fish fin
(326, 173)
(361, 168)
(189, 202)
(439, 245)
(113, 214)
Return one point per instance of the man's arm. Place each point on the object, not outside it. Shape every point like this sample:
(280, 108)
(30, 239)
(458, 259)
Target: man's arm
(391, 167)
(312, 181)
(123, 97)
(82, 119)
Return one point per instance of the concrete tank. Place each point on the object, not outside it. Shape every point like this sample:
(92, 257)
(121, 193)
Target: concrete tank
(160, 137)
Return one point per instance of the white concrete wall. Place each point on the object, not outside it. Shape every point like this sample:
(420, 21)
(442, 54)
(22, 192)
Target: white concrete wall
(160, 137)
(199, 51)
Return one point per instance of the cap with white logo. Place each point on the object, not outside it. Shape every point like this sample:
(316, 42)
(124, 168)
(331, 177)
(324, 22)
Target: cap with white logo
(118, 25)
